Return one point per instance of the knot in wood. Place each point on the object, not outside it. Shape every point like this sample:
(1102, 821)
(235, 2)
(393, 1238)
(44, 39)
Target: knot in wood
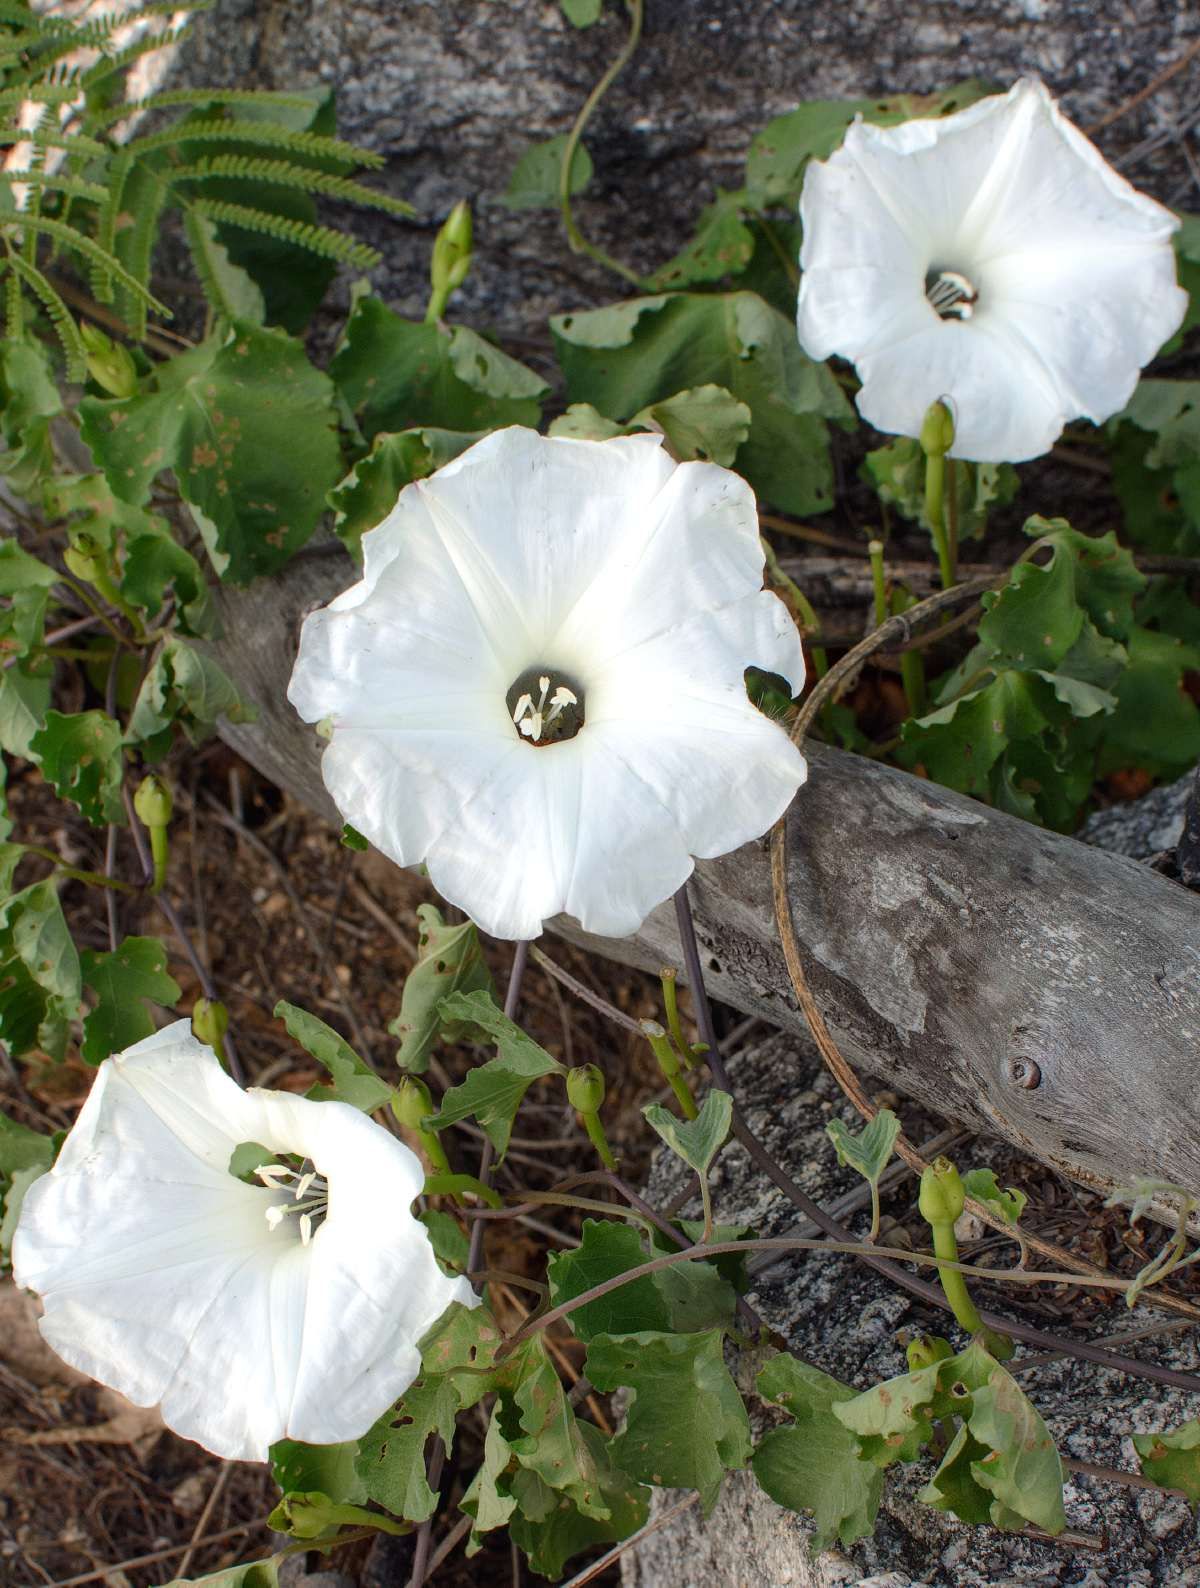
(1024, 1072)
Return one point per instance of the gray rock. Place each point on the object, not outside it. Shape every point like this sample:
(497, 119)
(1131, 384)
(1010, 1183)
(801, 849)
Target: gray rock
(453, 94)
(853, 1325)
(1141, 828)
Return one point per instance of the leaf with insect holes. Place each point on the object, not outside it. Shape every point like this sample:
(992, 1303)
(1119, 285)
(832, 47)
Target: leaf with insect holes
(493, 1092)
(868, 1153)
(299, 1469)
(706, 424)
(814, 1464)
(81, 756)
(536, 175)
(1008, 1205)
(449, 960)
(370, 491)
(695, 1141)
(1172, 1460)
(354, 1082)
(390, 1463)
(122, 979)
(685, 1421)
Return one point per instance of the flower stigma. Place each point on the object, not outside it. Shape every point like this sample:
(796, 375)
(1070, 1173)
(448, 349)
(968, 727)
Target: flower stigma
(546, 707)
(309, 1192)
(951, 295)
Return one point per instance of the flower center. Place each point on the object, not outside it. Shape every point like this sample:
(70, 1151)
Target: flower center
(952, 296)
(546, 706)
(309, 1194)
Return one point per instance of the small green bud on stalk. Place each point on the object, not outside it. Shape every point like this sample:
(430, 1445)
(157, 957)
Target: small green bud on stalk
(927, 1349)
(210, 1022)
(411, 1103)
(109, 364)
(85, 557)
(669, 1065)
(937, 437)
(154, 803)
(585, 1092)
(941, 1201)
(690, 1054)
(451, 259)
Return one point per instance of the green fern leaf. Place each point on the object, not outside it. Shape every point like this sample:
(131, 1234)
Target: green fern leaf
(52, 138)
(70, 238)
(109, 64)
(57, 184)
(267, 132)
(286, 174)
(320, 240)
(39, 93)
(203, 96)
(60, 315)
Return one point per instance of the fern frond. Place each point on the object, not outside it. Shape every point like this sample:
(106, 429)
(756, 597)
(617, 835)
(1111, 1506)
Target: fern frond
(40, 93)
(201, 96)
(268, 132)
(54, 138)
(60, 315)
(75, 186)
(134, 245)
(70, 238)
(20, 16)
(193, 228)
(285, 174)
(108, 64)
(320, 240)
(14, 325)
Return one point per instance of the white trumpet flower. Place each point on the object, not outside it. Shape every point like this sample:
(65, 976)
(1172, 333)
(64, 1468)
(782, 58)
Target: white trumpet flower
(538, 686)
(992, 259)
(252, 1312)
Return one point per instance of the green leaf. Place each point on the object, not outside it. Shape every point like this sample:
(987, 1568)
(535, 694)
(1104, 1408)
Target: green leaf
(449, 961)
(897, 471)
(451, 1247)
(24, 702)
(954, 1487)
(40, 981)
(391, 1456)
(552, 1446)
(81, 756)
(14, 1198)
(251, 1574)
(488, 1500)
(353, 839)
(722, 246)
(959, 743)
(868, 1153)
(582, 12)
(1154, 515)
(627, 358)
(1008, 1205)
(1022, 1468)
(536, 175)
(250, 429)
(230, 289)
(780, 153)
(185, 687)
(1035, 620)
(550, 1533)
(21, 571)
(29, 399)
(370, 491)
(315, 1516)
(1154, 719)
(354, 1082)
(695, 1141)
(1172, 1460)
(299, 1468)
(136, 970)
(399, 375)
(706, 423)
(493, 1092)
(698, 1295)
(685, 1421)
(607, 1250)
(155, 564)
(814, 1464)
(22, 1148)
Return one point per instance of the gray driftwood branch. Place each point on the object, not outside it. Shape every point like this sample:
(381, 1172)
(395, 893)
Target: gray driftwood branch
(1022, 982)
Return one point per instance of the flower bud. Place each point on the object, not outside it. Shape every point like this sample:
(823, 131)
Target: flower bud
(937, 429)
(153, 802)
(927, 1349)
(84, 560)
(109, 364)
(210, 1021)
(452, 250)
(411, 1102)
(943, 1195)
(585, 1088)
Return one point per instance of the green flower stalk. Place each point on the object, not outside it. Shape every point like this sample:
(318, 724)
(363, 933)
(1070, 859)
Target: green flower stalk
(912, 668)
(937, 437)
(875, 552)
(451, 259)
(154, 803)
(669, 1065)
(210, 1022)
(585, 1092)
(691, 1055)
(411, 1103)
(941, 1202)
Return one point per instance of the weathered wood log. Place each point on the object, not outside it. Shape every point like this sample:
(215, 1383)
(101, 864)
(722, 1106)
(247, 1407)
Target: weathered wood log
(1020, 981)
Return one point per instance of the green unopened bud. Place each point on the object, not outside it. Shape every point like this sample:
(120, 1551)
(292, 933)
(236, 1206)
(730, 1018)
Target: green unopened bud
(585, 1088)
(210, 1021)
(83, 561)
(943, 1195)
(927, 1349)
(109, 364)
(657, 1038)
(937, 430)
(411, 1102)
(451, 258)
(153, 802)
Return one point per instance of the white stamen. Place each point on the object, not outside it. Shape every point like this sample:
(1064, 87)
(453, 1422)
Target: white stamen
(531, 721)
(305, 1229)
(305, 1182)
(302, 1180)
(544, 685)
(523, 705)
(269, 1173)
(952, 295)
(276, 1216)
